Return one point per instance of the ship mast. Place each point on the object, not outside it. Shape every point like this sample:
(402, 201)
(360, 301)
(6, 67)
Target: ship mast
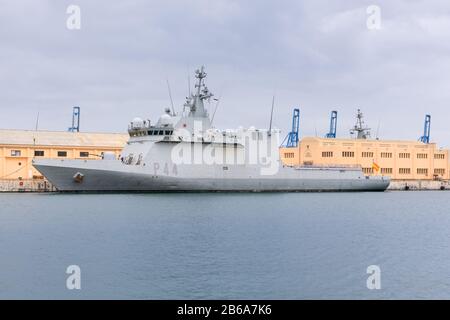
(195, 102)
(362, 131)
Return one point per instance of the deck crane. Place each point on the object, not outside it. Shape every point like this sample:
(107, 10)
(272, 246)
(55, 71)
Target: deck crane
(426, 130)
(75, 120)
(333, 125)
(292, 137)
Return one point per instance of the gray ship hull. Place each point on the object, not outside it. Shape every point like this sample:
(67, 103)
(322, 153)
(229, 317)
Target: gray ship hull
(114, 176)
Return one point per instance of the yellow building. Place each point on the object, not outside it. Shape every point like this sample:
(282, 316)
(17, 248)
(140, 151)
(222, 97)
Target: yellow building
(401, 160)
(19, 147)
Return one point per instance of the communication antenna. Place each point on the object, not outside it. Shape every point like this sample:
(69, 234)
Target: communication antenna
(189, 85)
(378, 130)
(36, 128)
(37, 122)
(215, 109)
(189, 80)
(170, 96)
(271, 115)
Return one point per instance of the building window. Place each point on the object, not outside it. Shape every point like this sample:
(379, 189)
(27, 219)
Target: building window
(404, 170)
(84, 154)
(327, 154)
(62, 153)
(367, 154)
(39, 153)
(422, 171)
(348, 154)
(367, 170)
(422, 156)
(440, 156)
(404, 155)
(386, 170)
(16, 153)
(289, 155)
(386, 154)
(439, 171)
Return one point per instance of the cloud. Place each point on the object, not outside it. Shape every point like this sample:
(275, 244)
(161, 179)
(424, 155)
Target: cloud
(318, 55)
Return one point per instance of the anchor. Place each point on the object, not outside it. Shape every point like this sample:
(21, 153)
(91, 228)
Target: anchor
(78, 177)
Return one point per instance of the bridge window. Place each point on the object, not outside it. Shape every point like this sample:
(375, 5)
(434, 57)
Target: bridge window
(84, 154)
(62, 153)
(39, 153)
(16, 153)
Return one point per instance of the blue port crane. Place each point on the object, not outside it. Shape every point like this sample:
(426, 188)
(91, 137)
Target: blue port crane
(333, 125)
(292, 137)
(75, 120)
(426, 130)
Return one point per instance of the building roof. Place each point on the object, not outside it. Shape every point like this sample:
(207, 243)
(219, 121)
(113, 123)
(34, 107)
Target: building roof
(62, 138)
(379, 141)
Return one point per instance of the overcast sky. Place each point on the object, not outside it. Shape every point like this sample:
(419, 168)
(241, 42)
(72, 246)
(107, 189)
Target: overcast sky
(316, 55)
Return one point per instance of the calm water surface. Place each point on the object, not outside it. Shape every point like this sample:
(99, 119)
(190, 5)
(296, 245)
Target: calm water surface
(226, 246)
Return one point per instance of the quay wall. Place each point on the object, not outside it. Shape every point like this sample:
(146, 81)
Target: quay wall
(43, 185)
(29, 185)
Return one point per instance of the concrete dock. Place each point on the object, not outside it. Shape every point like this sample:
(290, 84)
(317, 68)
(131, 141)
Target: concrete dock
(30, 185)
(419, 185)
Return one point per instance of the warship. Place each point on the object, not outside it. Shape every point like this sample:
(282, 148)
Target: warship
(184, 152)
